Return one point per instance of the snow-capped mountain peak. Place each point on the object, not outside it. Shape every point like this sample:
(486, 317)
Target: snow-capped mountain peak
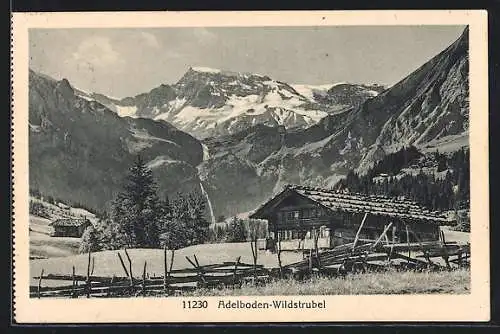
(205, 69)
(208, 101)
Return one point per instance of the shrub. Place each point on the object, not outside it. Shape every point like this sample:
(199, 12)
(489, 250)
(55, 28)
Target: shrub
(38, 209)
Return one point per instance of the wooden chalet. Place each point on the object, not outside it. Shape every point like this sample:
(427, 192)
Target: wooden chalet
(69, 227)
(300, 212)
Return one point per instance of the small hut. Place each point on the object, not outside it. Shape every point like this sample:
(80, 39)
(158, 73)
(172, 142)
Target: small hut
(298, 212)
(69, 227)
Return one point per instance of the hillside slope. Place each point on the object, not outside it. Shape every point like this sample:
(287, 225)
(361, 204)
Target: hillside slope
(427, 109)
(80, 151)
(210, 102)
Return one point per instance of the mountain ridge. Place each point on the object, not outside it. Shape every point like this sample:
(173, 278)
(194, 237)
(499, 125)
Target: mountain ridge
(426, 108)
(242, 160)
(208, 102)
(76, 144)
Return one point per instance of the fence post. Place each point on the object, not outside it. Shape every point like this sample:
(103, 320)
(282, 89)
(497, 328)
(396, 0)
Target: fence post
(356, 238)
(316, 249)
(445, 251)
(144, 279)
(310, 261)
(408, 242)
(278, 253)
(199, 272)
(253, 246)
(40, 284)
(130, 268)
(88, 286)
(73, 293)
(235, 270)
(165, 269)
(123, 265)
(172, 256)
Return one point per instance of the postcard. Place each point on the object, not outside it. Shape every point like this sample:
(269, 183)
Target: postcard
(295, 166)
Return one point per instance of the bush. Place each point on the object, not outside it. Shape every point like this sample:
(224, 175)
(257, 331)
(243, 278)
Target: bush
(236, 231)
(38, 209)
(89, 242)
(463, 221)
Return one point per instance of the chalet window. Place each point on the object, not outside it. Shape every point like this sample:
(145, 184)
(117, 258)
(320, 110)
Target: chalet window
(292, 215)
(315, 212)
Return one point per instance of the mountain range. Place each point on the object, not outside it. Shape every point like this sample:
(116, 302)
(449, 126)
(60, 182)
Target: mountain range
(209, 102)
(240, 136)
(80, 151)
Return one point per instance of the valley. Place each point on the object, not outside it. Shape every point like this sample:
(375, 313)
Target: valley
(239, 136)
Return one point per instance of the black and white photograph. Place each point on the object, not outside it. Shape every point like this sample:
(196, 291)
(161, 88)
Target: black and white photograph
(226, 161)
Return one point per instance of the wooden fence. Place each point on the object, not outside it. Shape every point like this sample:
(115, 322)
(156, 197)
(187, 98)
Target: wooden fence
(226, 274)
(357, 256)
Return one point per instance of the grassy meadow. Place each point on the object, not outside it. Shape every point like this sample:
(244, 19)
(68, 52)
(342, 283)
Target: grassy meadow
(388, 282)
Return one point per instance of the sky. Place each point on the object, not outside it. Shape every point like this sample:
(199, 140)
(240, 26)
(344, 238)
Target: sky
(127, 62)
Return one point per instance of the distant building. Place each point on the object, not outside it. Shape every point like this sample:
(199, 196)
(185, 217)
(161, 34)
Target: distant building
(300, 211)
(69, 227)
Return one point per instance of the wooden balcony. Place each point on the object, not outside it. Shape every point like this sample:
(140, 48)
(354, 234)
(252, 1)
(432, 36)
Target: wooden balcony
(302, 223)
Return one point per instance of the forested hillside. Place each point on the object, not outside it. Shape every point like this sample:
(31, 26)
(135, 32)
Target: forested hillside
(438, 181)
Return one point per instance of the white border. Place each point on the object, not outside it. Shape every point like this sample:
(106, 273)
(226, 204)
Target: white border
(472, 307)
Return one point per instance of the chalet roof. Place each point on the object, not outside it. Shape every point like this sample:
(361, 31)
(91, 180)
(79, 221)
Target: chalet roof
(355, 203)
(69, 222)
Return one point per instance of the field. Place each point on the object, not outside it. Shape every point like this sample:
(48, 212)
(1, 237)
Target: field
(107, 263)
(42, 245)
(56, 255)
(390, 282)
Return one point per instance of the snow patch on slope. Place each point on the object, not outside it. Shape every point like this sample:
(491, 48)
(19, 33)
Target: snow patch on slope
(206, 152)
(124, 111)
(205, 69)
(161, 161)
(308, 91)
(144, 135)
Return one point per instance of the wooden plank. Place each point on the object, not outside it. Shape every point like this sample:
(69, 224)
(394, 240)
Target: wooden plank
(73, 283)
(40, 283)
(413, 260)
(129, 267)
(236, 270)
(382, 235)
(165, 268)
(408, 240)
(414, 246)
(123, 265)
(81, 278)
(359, 231)
(89, 283)
(144, 279)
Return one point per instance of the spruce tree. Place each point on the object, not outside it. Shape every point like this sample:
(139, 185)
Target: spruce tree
(89, 241)
(137, 208)
(236, 230)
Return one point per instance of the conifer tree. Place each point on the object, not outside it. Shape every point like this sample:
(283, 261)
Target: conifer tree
(236, 231)
(137, 208)
(89, 241)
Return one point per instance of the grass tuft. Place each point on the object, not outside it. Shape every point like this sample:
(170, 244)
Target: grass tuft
(389, 282)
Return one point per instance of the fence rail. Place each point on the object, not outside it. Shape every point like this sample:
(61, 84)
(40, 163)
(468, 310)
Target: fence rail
(359, 255)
